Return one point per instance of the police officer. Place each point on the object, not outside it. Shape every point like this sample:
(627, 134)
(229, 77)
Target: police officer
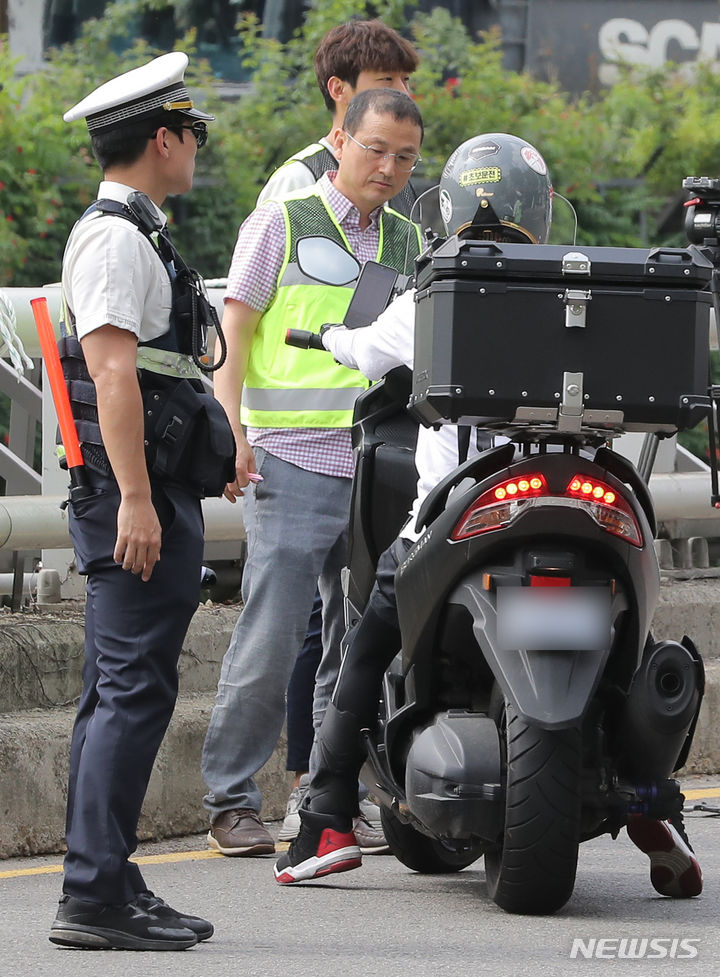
(136, 523)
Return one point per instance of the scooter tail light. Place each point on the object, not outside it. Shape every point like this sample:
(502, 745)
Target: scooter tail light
(610, 510)
(501, 504)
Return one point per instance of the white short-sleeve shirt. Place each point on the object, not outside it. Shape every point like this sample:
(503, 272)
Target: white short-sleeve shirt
(113, 276)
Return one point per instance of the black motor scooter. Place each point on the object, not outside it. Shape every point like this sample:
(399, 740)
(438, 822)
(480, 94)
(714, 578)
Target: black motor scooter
(530, 709)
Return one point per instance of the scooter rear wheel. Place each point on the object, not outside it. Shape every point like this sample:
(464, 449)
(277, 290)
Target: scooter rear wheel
(532, 870)
(424, 854)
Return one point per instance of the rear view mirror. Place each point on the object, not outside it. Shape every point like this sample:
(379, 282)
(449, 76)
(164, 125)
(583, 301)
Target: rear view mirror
(325, 261)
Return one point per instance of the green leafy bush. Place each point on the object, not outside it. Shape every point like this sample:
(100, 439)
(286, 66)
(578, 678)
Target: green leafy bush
(619, 157)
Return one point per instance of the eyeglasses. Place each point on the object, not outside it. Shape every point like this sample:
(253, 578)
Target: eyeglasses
(200, 131)
(405, 162)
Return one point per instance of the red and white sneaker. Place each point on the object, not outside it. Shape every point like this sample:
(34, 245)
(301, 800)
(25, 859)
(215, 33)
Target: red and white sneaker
(674, 870)
(324, 845)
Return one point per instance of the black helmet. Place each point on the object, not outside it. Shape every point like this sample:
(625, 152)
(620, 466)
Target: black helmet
(495, 181)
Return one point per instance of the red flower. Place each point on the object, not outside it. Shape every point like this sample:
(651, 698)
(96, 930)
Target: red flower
(2, 185)
(49, 220)
(33, 172)
(10, 218)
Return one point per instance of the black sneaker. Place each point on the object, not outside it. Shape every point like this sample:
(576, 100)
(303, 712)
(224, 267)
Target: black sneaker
(150, 903)
(324, 845)
(91, 926)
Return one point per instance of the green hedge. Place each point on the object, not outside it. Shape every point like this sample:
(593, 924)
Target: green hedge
(619, 157)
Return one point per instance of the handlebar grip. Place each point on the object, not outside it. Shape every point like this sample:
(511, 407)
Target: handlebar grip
(303, 339)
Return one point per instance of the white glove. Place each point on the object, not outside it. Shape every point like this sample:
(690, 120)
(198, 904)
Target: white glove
(326, 330)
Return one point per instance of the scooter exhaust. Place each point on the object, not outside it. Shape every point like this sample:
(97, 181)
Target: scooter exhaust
(661, 710)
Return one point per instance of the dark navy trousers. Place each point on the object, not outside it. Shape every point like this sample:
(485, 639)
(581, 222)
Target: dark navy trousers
(134, 633)
(300, 692)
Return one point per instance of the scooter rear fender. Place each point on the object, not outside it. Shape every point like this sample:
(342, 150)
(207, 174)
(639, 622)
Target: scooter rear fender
(548, 688)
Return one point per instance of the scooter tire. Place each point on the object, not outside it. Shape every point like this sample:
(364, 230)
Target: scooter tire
(429, 856)
(532, 870)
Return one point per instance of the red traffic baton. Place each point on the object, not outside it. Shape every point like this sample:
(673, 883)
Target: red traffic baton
(61, 399)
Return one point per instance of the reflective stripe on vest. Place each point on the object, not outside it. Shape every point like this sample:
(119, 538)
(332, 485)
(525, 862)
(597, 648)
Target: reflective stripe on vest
(295, 388)
(168, 363)
(299, 399)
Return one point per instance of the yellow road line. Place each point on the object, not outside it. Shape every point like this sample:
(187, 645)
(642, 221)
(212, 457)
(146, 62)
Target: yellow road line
(40, 870)
(177, 856)
(192, 856)
(692, 795)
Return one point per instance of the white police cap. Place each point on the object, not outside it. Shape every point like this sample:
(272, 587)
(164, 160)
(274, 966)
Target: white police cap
(155, 87)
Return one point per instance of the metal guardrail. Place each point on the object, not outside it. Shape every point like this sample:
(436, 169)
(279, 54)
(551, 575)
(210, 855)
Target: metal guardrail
(16, 459)
(20, 298)
(31, 522)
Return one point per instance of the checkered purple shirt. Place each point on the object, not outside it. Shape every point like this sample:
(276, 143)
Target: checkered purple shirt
(252, 279)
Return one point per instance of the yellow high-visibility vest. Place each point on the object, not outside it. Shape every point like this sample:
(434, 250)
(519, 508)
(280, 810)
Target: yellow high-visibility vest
(306, 388)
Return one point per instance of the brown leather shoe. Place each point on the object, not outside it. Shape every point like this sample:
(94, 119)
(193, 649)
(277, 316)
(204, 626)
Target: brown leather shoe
(370, 837)
(240, 832)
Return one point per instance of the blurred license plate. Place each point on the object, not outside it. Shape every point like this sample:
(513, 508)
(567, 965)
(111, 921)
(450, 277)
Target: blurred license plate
(553, 618)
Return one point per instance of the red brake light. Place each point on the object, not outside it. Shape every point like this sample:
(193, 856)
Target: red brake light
(495, 507)
(520, 488)
(505, 502)
(586, 488)
(537, 580)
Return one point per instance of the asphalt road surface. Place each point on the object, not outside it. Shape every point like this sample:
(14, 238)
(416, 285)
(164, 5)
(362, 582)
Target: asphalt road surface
(384, 919)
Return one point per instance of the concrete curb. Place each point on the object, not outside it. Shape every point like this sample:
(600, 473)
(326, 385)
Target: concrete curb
(34, 750)
(41, 657)
(40, 664)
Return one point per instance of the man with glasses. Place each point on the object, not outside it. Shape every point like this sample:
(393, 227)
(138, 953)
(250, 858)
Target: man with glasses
(297, 406)
(350, 58)
(137, 535)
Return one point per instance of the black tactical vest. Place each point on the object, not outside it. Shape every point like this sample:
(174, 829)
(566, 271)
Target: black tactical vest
(188, 439)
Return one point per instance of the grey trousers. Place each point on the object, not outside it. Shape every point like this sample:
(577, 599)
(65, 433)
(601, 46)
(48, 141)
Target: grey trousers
(296, 524)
